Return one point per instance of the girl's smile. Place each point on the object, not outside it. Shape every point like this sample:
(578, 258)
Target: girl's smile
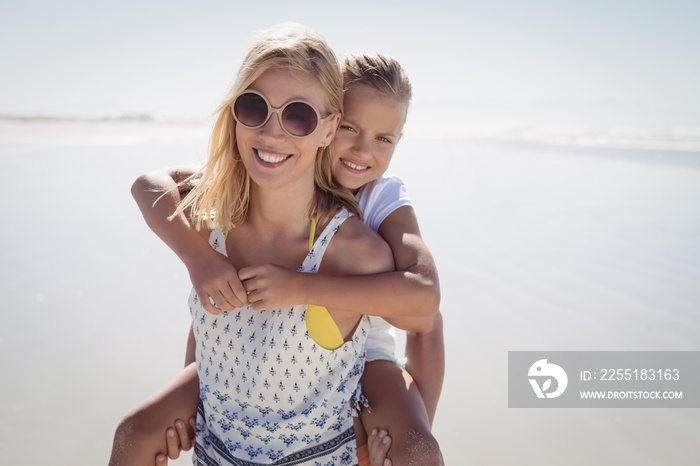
(367, 137)
(354, 167)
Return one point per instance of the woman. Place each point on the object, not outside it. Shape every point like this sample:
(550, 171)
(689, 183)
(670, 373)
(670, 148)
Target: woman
(266, 184)
(377, 96)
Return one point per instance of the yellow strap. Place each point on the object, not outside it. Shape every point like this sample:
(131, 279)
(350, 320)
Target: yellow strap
(312, 235)
(319, 323)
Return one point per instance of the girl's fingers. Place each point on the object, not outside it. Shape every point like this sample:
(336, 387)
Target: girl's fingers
(240, 297)
(223, 302)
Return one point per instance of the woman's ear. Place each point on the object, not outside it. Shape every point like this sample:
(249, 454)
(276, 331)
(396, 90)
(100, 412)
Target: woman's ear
(332, 128)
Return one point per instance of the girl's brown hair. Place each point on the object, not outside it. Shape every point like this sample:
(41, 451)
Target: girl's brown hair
(380, 72)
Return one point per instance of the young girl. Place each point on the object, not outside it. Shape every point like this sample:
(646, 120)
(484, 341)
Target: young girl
(376, 101)
(269, 391)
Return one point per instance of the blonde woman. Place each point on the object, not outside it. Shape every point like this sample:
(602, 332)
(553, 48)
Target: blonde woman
(377, 97)
(270, 392)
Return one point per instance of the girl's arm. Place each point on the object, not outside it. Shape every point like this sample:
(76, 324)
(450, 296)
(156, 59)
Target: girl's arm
(425, 348)
(157, 194)
(411, 290)
(410, 294)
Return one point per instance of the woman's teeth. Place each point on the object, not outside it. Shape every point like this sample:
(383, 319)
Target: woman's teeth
(270, 158)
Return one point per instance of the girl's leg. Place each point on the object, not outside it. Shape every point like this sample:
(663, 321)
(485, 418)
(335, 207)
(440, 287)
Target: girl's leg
(397, 406)
(141, 434)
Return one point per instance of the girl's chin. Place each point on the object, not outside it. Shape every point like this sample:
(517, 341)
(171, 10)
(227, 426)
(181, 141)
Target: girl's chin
(353, 185)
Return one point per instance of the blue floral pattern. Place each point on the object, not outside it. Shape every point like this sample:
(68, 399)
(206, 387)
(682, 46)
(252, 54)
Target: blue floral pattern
(268, 393)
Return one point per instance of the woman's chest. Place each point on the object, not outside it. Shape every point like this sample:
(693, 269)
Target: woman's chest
(244, 249)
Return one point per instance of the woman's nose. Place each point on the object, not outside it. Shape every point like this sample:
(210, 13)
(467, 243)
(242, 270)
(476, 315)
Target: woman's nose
(273, 127)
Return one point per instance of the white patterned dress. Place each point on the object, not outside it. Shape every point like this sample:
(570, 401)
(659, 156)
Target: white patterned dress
(268, 393)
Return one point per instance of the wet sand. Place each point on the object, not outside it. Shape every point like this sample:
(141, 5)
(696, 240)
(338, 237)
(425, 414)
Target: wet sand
(538, 247)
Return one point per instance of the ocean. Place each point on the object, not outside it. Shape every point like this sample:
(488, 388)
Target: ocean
(546, 243)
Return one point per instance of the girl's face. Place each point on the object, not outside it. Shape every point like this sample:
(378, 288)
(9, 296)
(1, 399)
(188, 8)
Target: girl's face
(368, 134)
(272, 157)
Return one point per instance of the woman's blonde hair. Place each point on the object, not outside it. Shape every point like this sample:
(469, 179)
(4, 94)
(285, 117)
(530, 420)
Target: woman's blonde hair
(220, 198)
(379, 72)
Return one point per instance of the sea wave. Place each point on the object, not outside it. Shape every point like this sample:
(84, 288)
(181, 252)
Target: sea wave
(136, 129)
(108, 131)
(676, 138)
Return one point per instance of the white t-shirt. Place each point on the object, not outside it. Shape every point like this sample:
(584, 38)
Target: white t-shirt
(380, 198)
(377, 200)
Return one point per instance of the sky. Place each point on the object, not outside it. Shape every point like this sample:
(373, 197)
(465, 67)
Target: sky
(611, 63)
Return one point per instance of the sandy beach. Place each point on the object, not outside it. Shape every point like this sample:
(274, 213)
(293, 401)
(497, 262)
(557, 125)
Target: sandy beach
(539, 247)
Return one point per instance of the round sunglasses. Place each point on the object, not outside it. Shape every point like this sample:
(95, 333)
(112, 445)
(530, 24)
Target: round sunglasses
(297, 117)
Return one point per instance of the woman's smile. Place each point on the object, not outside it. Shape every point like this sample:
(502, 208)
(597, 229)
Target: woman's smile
(269, 158)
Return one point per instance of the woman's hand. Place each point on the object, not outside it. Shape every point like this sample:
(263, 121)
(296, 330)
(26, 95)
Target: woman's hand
(178, 439)
(378, 444)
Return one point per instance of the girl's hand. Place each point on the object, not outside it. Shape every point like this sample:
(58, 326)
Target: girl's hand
(215, 280)
(271, 286)
(378, 444)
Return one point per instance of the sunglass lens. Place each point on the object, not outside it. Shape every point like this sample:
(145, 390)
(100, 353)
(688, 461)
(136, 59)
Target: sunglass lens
(250, 109)
(299, 119)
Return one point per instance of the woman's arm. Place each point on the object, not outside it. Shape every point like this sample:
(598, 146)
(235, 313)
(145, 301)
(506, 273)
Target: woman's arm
(157, 194)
